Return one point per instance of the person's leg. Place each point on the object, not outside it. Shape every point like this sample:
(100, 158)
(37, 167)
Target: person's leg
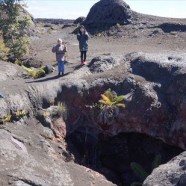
(85, 56)
(62, 67)
(81, 56)
(58, 64)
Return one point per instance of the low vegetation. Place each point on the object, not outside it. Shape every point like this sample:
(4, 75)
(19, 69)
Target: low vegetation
(141, 173)
(14, 116)
(35, 73)
(108, 107)
(56, 111)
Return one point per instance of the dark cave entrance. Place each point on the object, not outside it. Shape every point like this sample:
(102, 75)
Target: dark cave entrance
(112, 156)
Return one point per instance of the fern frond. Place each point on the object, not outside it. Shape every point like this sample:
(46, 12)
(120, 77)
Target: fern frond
(139, 170)
(121, 105)
(118, 99)
(156, 162)
(105, 98)
(109, 94)
(105, 102)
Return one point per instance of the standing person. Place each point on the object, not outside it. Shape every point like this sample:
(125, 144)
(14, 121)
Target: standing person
(60, 50)
(83, 37)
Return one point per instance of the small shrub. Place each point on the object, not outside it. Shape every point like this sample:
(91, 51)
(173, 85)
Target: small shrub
(61, 108)
(108, 107)
(110, 98)
(35, 73)
(20, 113)
(15, 116)
(18, 62)
(8, 118)
(55, 111)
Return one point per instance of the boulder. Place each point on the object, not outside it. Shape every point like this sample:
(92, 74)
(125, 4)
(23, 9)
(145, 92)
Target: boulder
(169, 174)
(79, 20)
(109, 12)
(102, 63)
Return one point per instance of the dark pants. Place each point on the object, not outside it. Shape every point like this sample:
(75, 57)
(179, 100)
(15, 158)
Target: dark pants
(83, 55)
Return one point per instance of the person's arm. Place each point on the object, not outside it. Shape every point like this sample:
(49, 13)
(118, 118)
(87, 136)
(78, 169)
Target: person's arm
(54, 49)
(86, 36)
(78, 37)
(65, 48)
(65, 52)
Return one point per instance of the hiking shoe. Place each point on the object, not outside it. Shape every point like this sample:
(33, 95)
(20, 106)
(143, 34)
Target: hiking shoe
(58, 73)
(84, 62)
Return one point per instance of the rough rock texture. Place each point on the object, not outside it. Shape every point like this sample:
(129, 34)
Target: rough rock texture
(102, 63)
(154, 86)
(30, 157)
(109, 12)
(115, 18)
(33, 153)
(173, 27)
(79, 20)
(172, 173)
(154, 83)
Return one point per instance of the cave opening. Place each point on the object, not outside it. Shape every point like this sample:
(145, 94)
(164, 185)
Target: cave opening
(125, 159)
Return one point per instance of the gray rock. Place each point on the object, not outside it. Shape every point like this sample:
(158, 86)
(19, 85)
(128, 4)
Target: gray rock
(7, 70)
(32, 160)
(102, 63)
(172, 173)
(156, 84)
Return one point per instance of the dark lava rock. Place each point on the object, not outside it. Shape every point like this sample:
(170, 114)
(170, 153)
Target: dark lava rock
(109, 12)
(79, 20)
(172, 27)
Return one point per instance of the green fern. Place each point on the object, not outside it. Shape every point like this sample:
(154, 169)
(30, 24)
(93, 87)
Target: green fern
(156, 162)
(110, 98)
(139, 170)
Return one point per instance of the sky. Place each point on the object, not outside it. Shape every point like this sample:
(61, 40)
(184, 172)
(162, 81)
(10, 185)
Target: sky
(72, 9)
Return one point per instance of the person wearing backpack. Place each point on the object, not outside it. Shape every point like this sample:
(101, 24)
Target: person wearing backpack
(83, 37)
(60, 49)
